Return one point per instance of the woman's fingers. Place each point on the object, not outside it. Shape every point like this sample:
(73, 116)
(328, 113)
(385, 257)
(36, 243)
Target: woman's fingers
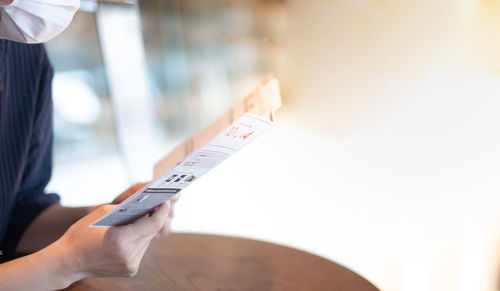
(148, 225)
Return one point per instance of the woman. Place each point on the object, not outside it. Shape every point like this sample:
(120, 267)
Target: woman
(63, 248)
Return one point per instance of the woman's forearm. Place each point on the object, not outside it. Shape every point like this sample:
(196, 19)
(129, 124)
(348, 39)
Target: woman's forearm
(49, 226)
(85, 251)
(48, 269)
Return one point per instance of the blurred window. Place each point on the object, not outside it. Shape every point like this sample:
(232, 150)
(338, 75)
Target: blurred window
(83, 114)
(132, 80)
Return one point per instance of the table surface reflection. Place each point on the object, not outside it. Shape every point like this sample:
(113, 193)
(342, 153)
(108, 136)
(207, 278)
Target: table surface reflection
(211, 262)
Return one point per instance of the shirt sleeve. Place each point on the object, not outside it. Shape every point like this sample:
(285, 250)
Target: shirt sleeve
(31, 198)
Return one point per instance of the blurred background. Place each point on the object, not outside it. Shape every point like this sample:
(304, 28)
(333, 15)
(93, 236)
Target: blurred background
(386, 155)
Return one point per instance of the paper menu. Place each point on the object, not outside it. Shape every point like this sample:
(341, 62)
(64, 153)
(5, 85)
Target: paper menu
(263, 102)
(248, 119)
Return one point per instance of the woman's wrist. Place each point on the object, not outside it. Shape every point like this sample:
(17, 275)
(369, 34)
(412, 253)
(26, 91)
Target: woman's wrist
(65, 266)
(51, 268)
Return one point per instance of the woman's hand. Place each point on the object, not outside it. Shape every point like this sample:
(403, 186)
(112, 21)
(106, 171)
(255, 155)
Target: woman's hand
(56, 219)
(110, 251)
(85, 251)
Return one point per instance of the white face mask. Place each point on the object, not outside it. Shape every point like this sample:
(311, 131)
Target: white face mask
(35, 21)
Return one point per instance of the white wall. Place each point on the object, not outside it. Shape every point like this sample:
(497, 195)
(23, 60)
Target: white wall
(403, 99)
(387, 156)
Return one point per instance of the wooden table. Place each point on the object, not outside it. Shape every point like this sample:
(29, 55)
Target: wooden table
(210, 262)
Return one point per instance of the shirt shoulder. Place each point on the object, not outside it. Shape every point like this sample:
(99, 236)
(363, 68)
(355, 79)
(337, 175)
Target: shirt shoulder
(26, 56)
(26, 70)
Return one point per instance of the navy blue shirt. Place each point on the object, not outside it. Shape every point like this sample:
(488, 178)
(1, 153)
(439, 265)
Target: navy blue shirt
(25, 138)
